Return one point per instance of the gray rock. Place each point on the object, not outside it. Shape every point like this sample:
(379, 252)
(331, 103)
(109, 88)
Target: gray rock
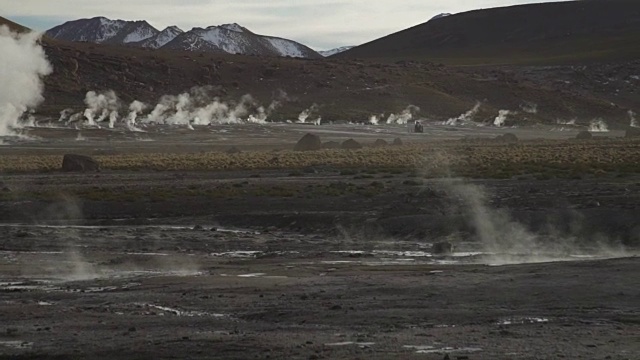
(74, 162)
(309, 142)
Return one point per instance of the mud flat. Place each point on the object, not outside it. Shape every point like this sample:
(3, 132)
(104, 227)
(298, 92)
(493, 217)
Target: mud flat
(325, 262)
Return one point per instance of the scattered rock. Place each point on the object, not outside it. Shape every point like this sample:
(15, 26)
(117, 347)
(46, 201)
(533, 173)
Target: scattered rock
(397, 142)
(584, 135)
(351, 145)
(507, 138)
(309, 142)
(74, 162)
(442, 248)
(331, 145)
(380, 143)
(233, 150)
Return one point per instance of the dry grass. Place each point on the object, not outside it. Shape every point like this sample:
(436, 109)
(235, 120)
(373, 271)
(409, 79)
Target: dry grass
(553, 158)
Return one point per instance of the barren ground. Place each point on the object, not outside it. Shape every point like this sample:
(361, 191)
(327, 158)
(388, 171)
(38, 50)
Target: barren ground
(313, 263)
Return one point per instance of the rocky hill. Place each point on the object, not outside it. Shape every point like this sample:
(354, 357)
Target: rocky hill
(545, 33)
(228, 38)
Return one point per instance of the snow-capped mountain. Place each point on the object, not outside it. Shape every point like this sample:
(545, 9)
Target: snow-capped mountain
(227, 38)
(162, 38)
(328, 53)
(439, 16)
(102, 30)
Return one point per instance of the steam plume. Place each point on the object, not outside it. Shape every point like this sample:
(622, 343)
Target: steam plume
(529, 108)
(406, 115)
(502, 118)
(632, 116)
(307, 112)
(99, 106)
(598, 125)
(22, 65)
(466, 117)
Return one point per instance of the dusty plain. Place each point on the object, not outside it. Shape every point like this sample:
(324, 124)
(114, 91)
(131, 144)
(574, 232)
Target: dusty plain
(177, 249)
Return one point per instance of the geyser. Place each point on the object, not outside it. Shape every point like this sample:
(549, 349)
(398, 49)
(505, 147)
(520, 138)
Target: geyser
(23, 63)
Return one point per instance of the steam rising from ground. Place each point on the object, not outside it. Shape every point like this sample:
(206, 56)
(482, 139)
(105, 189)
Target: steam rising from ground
(466, 117)
(196, 107)
(304, 115)
(406, 115)
(501, 118)
(598, 125)
(632, 117)
(529, 108)
(506, 241)
(22, 65)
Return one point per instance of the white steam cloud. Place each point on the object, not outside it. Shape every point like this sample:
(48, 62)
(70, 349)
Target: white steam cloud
(502, 117)
(598, 125)
(100, 106)
(304, 115)
(632, 117)
(529, 108)
(466, 117)
(406, 115)
(566, 122)
(23, 63)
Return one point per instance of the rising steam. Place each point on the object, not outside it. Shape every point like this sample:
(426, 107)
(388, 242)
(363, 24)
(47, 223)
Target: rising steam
(406, 115)
(632, 117)
(304, 115)
(466, 117)
(501, 118)
(23, 63)
(598, 125)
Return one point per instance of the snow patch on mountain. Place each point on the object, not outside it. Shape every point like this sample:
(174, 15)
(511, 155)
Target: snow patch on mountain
(110, 28)
(439, 16)
(164, 37)
(331, 52)
(286, 47)
(139, 34)
(233, 27)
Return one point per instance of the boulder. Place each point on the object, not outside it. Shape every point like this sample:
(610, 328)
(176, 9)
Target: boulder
(309, 142)
(380, 143)
(584, 135)
(442, 248)
(331, 145)
(397, 142)
(632, 132)
(351, 145)
(74, 162)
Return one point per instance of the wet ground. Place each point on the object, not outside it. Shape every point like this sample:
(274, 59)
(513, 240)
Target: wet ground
(542, 269)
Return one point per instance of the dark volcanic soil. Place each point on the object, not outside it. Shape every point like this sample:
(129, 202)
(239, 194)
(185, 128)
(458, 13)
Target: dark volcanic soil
(317, 274)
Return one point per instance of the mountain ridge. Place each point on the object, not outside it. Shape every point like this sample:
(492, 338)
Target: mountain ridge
(227, 38)
(543, 33)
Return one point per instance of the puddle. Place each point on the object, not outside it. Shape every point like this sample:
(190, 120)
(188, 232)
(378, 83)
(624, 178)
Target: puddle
(252, 275)
(430, 349)
(347, 343)
(179, 312)
(237, 254)
(523, 320)
(17, 344)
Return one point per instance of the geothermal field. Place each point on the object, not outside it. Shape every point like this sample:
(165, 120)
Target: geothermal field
(197, 227)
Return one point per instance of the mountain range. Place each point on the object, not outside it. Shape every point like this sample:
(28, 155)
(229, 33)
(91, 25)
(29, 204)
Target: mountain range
(228, 38)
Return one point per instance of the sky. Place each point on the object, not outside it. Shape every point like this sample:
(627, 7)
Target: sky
(319, 24)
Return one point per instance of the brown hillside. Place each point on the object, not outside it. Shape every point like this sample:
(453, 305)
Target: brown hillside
(546, 33)
(344, 89)
(13, 26)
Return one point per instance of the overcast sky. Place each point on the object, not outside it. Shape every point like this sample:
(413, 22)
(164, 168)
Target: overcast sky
(320, 24)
